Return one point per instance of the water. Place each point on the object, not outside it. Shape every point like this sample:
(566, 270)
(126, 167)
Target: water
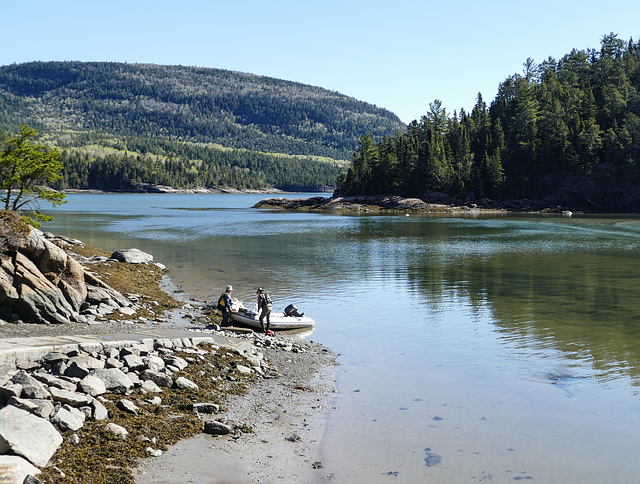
(499, 349)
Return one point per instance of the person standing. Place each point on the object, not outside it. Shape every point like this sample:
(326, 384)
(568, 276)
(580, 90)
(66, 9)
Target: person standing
(264, 307)
(224, 305)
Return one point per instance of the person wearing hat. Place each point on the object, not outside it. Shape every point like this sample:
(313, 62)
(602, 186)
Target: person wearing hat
(264, 306)
(224, 305)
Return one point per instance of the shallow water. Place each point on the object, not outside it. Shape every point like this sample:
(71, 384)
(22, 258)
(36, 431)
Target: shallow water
(472, 349)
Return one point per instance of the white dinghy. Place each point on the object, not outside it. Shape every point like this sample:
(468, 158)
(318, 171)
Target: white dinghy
(289, 319)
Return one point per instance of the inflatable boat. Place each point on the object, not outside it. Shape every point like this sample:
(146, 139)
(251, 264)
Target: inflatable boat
(289, 319)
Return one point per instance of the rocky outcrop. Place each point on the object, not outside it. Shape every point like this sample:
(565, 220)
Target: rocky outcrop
(39, 405)
(41, 283)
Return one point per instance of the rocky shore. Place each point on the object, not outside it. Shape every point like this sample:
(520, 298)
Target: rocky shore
(102, 385)
(438, 204)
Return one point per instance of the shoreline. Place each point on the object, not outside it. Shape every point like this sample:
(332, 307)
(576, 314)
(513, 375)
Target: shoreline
(286, 414)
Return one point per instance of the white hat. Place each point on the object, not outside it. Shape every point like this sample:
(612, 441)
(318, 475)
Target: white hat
(229, 288)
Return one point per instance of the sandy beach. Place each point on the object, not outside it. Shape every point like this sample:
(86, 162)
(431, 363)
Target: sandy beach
(287, 415)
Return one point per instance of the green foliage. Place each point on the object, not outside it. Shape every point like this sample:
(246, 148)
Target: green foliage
(24, 167)
(186, 126)
(567, 129)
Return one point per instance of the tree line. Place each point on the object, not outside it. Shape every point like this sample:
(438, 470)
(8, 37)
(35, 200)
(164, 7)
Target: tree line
(565, 129)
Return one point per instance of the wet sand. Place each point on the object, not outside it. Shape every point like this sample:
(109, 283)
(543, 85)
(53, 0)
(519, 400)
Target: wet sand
(287, 415)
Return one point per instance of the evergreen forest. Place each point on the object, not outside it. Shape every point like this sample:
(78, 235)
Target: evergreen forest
(125, 126)
(563, 131)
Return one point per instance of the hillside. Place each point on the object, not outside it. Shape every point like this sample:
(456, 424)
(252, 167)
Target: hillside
(123, 125)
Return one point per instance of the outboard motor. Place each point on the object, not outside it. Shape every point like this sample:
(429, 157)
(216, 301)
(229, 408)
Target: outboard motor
(292, 310)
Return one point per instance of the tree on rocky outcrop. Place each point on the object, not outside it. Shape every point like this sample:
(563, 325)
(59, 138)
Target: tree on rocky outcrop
(25, 170)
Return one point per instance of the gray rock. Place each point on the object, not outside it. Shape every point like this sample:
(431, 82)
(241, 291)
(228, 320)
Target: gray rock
(15, 469)
(54, 357)
(88, 362)
(176, 361)
(160, 379)
(153, 363)
(76, 369)
(117, 430)
(74, 399)
(113, 363)
(40, 408)
(133, 362)
(100, 412)
(128, 406)
(68, 418)
(183, 383)
(92, 385)
(53, 381)
(31, 388)
(149, 386)
(204, 407)
(25, 434)
(114, 380)
(132, 256)
(9, 390)
(216, 428)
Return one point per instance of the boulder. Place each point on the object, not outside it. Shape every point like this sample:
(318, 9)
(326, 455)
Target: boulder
(149, 386)
(132, 256)
(15, 469)
(216, 428)
(68, 418)
(25, 434)
(183, 383)
(74, 399)
(160, 379)
(100, 412)
(114, 380)
(92, 385)
(116, 430)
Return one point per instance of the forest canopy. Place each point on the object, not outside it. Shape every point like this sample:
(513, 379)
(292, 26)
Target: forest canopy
(564, 130)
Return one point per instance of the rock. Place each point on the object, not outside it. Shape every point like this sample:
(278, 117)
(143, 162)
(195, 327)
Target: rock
(116, 430)
(31, 388)
(53, 381)
(38, 407)
(92, 385)
(128, 406)
(114, 380)
(15, 469)
(132, 256)
(76, 369)
(154, 452)
(183, 383)
(149, 386)
(176, 361)
(204, 407)
(34, 438)
(133, 362)
(74, 399)
(9, 390)
(153, 363)
(216, 428)
(100, 412)
(113, 363)
(88, 362)
(160, 379)
(68, 418)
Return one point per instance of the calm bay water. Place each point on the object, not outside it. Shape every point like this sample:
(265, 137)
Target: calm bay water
(472, 348)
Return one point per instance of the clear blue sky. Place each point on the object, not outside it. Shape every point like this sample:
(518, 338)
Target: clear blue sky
(399, 55)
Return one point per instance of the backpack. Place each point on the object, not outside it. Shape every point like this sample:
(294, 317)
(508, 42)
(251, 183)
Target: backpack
(266, 298)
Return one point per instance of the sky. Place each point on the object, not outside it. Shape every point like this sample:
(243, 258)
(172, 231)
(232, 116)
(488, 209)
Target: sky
(400, 55)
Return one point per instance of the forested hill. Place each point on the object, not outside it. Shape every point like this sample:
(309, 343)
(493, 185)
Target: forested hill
(564, 130)
(123, 125)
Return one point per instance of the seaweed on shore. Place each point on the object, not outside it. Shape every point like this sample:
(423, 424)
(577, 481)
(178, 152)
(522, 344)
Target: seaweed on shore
(101, 457)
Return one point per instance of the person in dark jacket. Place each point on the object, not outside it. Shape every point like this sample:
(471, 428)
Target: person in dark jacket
(224, 305)
(264, 307)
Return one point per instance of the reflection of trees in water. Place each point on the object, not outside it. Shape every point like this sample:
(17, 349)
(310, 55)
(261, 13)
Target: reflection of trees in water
(585, 305)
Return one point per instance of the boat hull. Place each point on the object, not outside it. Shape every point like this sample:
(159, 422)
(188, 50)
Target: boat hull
(278, 320)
